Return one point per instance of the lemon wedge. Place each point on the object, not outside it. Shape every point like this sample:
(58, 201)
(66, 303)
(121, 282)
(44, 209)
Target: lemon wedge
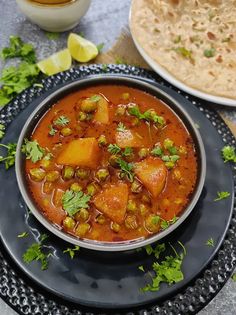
(60, 61)
(81, 49)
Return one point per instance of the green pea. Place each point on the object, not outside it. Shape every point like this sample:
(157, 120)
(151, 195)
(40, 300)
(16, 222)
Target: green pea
(102, 141)
(69, 223)
(66, 131)
(102, 174)
(82, 229)
(82, 173)
(52, 176)
(115, 227)
(76, 187)
(37, 174)
(68, 172)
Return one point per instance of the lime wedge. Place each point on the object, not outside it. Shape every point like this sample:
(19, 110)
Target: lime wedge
(81, 49)
(60, 61)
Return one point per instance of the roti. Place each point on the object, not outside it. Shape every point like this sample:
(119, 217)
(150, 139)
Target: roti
(194, 40)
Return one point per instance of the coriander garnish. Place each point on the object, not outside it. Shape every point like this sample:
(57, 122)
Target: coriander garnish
(18, 48)
(52, 35)
(168, 270)
(32, 150)
(222, 195)
(2, 131)
(52, 131)
(100, 47)
(71, 251)
(121, 127)
(113, 149)
(9, 158)
(24, 234)
(61, 121)
(126, 169)
(183, 52)
(228, 153)
(210, 242)
(73, 201)
(35, 252)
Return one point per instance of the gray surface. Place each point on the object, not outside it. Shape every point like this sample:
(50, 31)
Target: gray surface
(103, 23)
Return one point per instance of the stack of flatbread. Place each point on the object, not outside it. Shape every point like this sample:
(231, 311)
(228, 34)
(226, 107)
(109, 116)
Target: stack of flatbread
(194, 40)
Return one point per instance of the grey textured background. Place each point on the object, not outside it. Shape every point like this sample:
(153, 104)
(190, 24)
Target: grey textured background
(103, 23)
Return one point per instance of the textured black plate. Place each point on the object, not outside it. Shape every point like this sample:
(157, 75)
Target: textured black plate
(113, 280)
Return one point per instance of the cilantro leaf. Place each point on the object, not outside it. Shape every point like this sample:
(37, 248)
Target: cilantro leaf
(61, 121)
(114, 149)
(32, 150)
(73, 201)
(126, 169)
(52, 131)
(100, 47)
(156, 251)
(24, 234)
(210, 242)
(168, 270)
(141, 268)
(121, 127)
(228, 153)
(222, 195)
(16, 79)
(2, 131)
(71, 251)
(35, 252)
(18, 48)
(157, 151)
(9, 158)
(127, 151)
(149, 115)
(52, 35)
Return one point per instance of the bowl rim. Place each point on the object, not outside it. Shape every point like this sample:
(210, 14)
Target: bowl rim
(169, 101)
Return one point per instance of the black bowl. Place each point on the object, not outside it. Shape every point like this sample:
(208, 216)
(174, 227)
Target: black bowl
(43, 107)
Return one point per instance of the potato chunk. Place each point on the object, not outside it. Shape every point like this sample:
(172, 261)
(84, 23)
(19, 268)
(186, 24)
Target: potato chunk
(80, 152)
(102, 113)
(112, 201)
(152, 172)
(129, 138)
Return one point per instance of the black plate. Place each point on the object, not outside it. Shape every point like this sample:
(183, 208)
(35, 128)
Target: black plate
(113, 280)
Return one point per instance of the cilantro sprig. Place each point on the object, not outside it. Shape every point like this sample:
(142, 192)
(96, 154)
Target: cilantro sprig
(16, 79)
(222, 195)
(126, 169)
(2, 131)
(9, 158)
(210, 242)
(121, 127)
(71, 251)
(32, 150)
(23, 234)
(150, 115)
(17, 48)
(73, 201)
(115, 149)
(36, 252)
(168, 270)
(228, 154)
(61, 121)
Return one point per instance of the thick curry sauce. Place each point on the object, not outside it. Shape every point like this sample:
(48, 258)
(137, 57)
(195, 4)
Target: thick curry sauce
(117, 164)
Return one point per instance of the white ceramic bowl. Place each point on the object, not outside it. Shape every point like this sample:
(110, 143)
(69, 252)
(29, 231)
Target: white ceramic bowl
(55, 18)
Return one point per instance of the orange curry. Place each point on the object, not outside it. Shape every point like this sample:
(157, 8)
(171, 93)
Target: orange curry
(111, 163)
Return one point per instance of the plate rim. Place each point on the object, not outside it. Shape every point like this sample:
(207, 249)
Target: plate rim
(217, 249)
(219, 100)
